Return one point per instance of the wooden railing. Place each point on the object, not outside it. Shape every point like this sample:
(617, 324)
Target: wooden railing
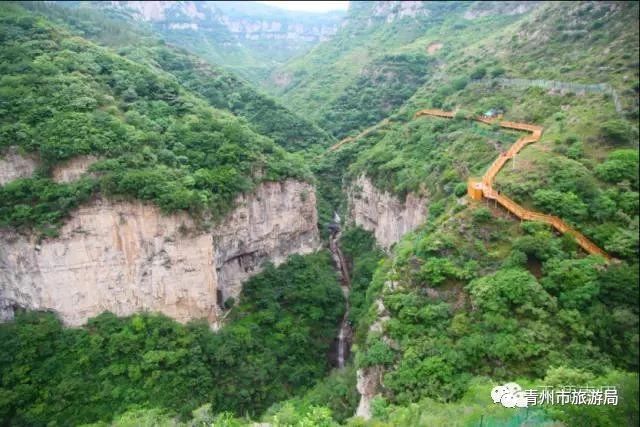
(438, 113)
(511, 206)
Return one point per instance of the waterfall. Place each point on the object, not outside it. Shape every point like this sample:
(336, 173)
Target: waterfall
(345, 333)
(341, 343)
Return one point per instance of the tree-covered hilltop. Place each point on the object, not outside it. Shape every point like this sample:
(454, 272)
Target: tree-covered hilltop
(246, 37)
(223, 90)
(219, 87)
(63, 96)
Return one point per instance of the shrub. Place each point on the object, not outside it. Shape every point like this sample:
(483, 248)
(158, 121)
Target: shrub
(566, 205)
(620, 165)
(482, 215)
(459, 83)
(460, 189)
(616, 131)
(377, 353)
(478, 73)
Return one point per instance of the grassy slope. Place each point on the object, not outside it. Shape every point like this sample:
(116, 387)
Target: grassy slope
(215, 43)
(366, 45)
(576, 138)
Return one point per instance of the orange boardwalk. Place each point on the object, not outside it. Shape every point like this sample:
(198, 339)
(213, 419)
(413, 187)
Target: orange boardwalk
(477, 190)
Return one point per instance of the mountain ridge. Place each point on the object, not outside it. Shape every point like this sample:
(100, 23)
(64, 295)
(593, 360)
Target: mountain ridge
(248, 38)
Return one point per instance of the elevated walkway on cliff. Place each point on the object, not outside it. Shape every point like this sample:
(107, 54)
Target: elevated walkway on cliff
(484, 188)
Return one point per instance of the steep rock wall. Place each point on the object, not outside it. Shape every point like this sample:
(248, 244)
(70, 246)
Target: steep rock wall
(72, 169)
(255, 29)
(127, 257)
(14, 166)
(238, 19)
(383, 213)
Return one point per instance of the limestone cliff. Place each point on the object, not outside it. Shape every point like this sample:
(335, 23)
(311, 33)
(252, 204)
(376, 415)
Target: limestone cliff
(14, 166)
(384, 214)
(242, 20)
(127, 257)
(72, 169)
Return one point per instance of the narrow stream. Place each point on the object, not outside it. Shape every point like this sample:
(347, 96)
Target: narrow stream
(345, 333)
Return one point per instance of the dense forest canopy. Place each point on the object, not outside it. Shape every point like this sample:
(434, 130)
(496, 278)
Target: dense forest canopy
(222, 89)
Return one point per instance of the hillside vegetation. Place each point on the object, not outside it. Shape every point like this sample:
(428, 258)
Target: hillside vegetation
(246, 38)
(269, 351)
(378, 59)
(470, 299)
(584, 169)
(64, 96)
(217, 86)
(472, 294)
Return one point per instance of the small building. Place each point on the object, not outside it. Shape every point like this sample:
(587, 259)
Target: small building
(493, 113)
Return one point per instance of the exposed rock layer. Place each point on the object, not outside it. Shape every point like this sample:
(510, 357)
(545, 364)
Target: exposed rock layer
(383, 213)
(241, 23)
(14, 166)
(72, 169)
(127, 257)
(389, 219)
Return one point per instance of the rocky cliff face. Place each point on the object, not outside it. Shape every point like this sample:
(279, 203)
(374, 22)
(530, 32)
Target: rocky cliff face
(245, 21)
(126, 257)
(258, 29)
(383, 213)
(392, 10)
(483, 9)
(72, 169)
(14, 166)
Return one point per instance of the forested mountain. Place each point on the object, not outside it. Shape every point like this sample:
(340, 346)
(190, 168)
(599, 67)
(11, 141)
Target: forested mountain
(387, 50)
(428, 298)
(65, 96)
(220, 88)
(249, 38)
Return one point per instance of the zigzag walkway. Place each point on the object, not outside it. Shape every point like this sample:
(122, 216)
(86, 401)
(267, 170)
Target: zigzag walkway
(484, 188)
(365, 132)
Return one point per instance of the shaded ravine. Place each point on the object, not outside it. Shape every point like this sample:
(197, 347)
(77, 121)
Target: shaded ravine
(345, 333)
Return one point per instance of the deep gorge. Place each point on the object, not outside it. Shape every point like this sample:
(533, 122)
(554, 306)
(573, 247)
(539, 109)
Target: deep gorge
(232, 214)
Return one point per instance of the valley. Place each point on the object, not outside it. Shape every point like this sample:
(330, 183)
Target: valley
(232, 214)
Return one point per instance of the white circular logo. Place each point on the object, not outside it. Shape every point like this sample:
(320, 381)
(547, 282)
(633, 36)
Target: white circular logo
(509, 395)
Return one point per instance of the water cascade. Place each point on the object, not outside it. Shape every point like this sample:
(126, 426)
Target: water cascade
(345, 333)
